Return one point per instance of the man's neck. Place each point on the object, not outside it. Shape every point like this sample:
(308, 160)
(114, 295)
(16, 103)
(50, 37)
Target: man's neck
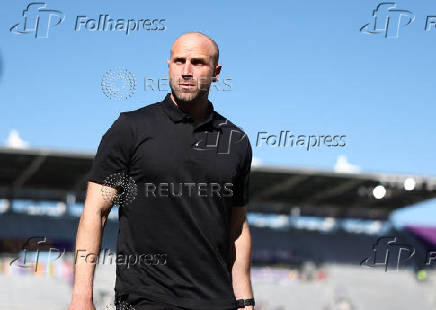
(197, 109)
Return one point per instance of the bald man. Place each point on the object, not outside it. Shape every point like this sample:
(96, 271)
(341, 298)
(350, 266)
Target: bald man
(184, 241)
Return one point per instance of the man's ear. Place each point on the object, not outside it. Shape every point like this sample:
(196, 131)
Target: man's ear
(217, 71)
(168, 62)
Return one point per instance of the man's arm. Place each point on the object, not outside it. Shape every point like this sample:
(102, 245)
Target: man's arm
(88, 241)
(240, 254)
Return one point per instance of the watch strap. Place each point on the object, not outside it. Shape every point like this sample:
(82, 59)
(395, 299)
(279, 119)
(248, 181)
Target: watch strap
(241, 303)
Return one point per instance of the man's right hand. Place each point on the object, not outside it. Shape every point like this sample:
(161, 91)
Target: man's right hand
(80, 304)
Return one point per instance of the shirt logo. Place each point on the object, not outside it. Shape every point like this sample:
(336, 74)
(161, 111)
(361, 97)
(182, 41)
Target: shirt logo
(197, 144)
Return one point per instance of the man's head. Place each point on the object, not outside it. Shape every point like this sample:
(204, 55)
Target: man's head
(193, 66)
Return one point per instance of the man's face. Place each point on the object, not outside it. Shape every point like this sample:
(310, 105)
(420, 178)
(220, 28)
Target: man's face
(191, 68)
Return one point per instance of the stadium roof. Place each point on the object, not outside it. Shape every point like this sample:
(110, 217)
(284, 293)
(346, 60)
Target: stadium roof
(47, 174)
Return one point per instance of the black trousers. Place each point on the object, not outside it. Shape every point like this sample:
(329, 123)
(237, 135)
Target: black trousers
(134, 302)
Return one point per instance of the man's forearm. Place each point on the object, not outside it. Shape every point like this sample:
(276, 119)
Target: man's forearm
(88, 242)
(241, 266)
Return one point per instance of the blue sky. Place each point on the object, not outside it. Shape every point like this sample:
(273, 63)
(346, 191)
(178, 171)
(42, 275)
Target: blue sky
(295, 65)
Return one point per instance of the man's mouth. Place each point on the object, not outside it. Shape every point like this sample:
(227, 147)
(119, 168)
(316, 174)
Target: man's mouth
(184, 85)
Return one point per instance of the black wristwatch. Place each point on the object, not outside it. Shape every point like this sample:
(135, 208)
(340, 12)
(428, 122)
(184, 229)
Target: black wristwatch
(241, 303)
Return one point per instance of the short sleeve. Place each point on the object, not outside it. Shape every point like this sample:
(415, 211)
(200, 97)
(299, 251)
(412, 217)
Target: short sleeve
(114, 152)
(241, 188)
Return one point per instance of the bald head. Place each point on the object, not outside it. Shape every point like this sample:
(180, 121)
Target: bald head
(197, 39)
(192, 67)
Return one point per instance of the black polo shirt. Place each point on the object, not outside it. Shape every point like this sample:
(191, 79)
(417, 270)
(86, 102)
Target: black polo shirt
(188, 177)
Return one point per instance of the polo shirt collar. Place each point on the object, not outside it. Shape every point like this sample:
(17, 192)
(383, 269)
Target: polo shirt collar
(176, 114)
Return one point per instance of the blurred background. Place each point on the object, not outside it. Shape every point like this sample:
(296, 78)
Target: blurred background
(337, 100)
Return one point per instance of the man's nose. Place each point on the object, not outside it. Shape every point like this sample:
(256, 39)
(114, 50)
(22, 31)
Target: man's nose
(187, 69)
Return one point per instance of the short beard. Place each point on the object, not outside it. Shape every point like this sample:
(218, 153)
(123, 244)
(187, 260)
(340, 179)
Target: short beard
(188, 97)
